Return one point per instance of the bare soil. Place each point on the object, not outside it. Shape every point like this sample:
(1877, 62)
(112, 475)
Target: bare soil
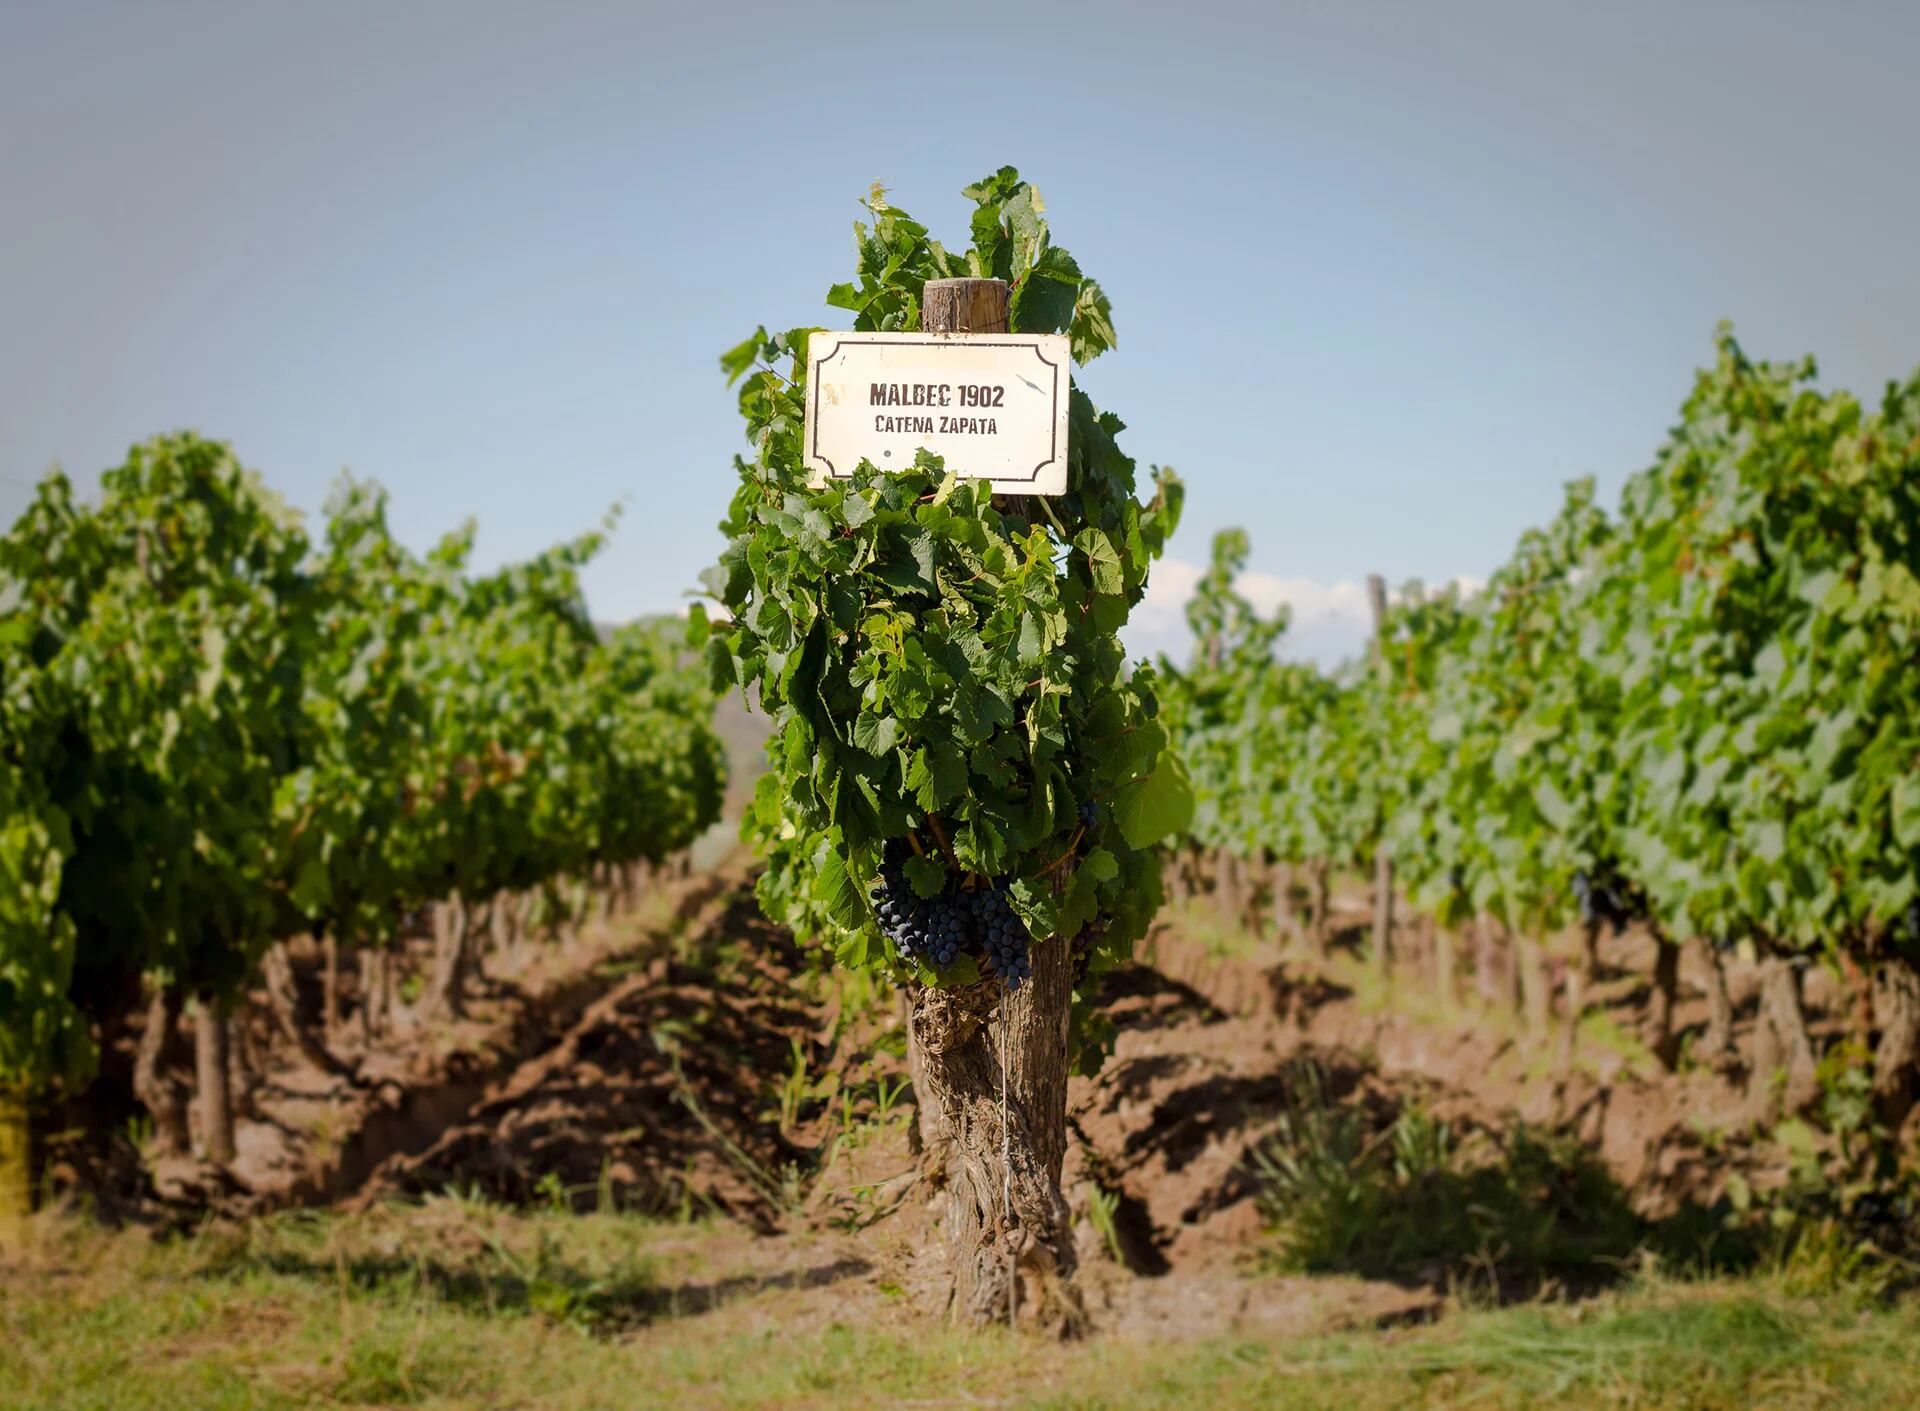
(687, 1059)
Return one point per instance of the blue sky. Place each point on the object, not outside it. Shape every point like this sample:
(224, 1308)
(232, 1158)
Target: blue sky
(1384, 275)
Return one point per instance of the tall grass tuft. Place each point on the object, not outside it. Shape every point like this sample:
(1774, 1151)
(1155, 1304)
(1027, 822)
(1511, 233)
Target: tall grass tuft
(1411, 1198)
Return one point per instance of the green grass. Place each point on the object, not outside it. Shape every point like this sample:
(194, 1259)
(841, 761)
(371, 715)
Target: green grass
(1514, 1210)
(462, 1305)
(1200, 922)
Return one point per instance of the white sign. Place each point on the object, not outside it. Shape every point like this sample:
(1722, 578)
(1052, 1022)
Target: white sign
(994, 405)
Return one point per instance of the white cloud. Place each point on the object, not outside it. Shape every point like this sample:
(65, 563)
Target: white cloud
(1157, 624)
(1331, 621)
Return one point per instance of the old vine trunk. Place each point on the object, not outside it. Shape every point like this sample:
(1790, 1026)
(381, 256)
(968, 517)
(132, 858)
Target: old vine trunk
(155, 1083)
(210, 1054)
(1007, 1244)
(1717, 1048)
(1663, 1034)
(1896, 1008)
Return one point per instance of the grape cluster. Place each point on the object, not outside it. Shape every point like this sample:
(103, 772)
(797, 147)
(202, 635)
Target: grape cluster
(1606, 898)
(1087, 940)
(932, 930)
(938, 930)
(924, 930)
(1089, 815)
(1913, 922)
(1003, 933)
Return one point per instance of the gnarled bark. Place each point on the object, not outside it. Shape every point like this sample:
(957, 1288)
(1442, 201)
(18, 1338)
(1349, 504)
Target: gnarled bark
(1487, 970)
(1591, 935)
(1286, 920)
(373, 991)
(283, 998)
(1858, 986)
(210, 1079)
(1896, 1012)
(1782, 1047)
(247, 1070)
(1322, 907)
(1382, 912)
(1717, 1048)
(155, 1081)
(1662, 1035)
(452, 934)
(1536, 1001)
(377, 989)
(503, 919)
(1007, 1232)
(600, 881)
(1578, 986)
(1228, 894)
(330, 987)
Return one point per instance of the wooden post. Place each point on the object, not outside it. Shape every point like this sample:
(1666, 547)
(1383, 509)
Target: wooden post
(1382, 862)
(965, 306)
(1007, 1231)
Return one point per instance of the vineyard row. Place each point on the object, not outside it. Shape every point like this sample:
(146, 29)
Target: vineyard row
(217, 734)
(1694, 715)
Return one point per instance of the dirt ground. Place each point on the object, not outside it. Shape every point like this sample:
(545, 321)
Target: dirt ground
(687, 1060)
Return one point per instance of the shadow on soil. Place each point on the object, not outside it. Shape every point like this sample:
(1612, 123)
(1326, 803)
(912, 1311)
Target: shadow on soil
(541, 1284)
(657, 1099)
(1352, 1172)
(1351, 1179)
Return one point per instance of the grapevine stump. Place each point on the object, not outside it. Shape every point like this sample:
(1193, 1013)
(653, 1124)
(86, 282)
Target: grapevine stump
(1663, 1033)
(211, 1075)
(1006, 1231)
(1717, 1048)
(1783, 1078)
(1896, 1010)
(154, 1083)
(1486, 961)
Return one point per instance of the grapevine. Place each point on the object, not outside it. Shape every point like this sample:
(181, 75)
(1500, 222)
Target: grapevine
(967, 783)
(215, 734)
(1693, 715)
(947, 694)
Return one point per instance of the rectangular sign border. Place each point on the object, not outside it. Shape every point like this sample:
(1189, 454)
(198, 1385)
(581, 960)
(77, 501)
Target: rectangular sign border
(1034, 341)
